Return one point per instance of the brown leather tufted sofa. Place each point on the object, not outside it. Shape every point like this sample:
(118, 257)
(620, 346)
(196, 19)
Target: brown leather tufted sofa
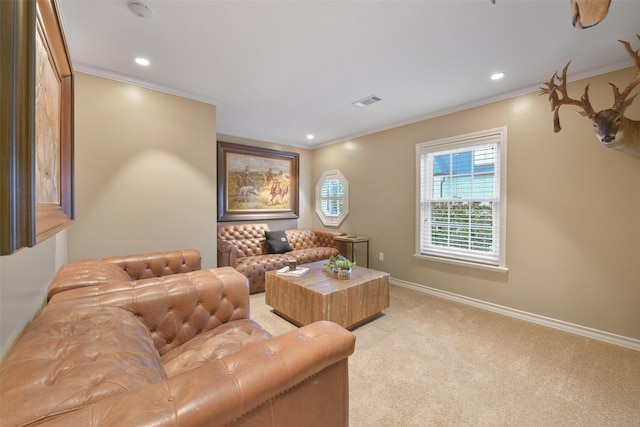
(244, 247)
(96, 272)
(168, 347)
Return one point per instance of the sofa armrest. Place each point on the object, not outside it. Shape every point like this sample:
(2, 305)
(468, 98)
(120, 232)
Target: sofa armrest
(174, 308)
(324, 238)
(298, 378)
(227, 254)
(90, 273)
(158, 264)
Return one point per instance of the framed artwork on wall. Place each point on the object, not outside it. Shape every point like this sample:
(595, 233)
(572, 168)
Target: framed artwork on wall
(256, 183)
(37, 123)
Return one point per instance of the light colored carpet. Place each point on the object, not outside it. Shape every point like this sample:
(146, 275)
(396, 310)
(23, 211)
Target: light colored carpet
(432, 362)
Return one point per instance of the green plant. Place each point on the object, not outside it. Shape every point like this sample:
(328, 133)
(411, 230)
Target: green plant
(337, 262)
(344, 264)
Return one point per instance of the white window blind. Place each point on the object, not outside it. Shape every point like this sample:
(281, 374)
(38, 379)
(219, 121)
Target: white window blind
(332, 197)
(461, 192)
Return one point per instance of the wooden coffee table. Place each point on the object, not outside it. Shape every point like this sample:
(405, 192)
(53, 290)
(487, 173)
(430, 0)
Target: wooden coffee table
(319, 295)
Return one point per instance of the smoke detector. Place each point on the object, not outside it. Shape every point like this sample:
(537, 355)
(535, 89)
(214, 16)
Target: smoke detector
(366, 101)
(140, 10)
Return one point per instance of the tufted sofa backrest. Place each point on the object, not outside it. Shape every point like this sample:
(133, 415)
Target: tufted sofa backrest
(247, 238)
(143, 266)
(301, 239)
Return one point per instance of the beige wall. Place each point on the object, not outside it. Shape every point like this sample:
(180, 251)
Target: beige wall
(305, 194)
(145, 174)
(24, 278)
(573, 210)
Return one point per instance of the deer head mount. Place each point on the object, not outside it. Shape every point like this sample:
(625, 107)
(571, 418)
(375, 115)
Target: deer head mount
(612, 128)
(587, 13)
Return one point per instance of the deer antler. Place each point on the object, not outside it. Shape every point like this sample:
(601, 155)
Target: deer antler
(620, 97)
(611, 127)
(556, 101)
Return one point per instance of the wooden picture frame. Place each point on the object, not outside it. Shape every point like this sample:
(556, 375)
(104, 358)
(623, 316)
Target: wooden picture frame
(37, 126)
(256, 183)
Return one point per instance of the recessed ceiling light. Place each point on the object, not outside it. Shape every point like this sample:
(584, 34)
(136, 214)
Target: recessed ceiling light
(142, 61)
(497, 76)
(309, 136)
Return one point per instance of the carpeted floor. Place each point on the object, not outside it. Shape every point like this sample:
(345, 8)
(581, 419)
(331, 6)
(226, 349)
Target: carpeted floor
(432, 362)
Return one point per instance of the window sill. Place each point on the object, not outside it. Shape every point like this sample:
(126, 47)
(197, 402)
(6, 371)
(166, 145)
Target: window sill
(470, 264)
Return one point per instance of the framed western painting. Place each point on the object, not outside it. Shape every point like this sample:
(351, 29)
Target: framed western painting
(36, 190)
(256, 183)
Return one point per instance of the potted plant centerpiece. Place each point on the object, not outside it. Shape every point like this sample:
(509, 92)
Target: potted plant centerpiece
(340, 265)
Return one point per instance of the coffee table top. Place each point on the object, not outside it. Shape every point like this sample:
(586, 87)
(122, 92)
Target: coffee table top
(326, 283)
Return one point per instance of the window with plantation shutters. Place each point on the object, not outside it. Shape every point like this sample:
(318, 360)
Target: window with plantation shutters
(461, 207)
(332, 197)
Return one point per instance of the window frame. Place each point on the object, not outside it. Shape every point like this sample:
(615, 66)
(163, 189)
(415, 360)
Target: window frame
(326, 218)
(475, 139)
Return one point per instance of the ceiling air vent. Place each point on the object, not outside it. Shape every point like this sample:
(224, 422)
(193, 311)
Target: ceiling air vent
(366, 101)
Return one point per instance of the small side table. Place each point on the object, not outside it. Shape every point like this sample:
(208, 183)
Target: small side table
(353, 240)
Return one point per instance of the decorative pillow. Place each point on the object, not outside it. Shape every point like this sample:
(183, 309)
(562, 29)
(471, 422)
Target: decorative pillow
(277, 242)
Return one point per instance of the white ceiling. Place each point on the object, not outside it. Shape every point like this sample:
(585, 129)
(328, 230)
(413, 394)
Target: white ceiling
(279, 70)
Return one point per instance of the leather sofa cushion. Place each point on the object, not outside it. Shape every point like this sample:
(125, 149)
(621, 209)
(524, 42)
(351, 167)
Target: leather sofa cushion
(259, 264)
(71, 357)
(213, 344)
(305, 256)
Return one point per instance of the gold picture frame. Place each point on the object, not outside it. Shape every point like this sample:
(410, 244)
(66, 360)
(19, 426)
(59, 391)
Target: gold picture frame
(37, 126)
(256, 183)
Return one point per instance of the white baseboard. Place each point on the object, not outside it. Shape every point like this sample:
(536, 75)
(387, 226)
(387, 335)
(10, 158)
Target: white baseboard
(571, 328)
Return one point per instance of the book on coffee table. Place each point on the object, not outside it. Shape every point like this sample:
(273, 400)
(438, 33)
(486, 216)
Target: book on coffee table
(300, 271)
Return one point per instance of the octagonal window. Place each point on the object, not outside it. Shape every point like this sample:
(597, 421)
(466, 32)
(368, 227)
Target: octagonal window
(332, 197)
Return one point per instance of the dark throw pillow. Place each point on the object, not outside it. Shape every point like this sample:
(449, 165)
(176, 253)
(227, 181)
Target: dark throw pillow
(277, 242)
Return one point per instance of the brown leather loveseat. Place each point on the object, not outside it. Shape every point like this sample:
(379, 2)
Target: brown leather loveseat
(244, 247)
(152, 340)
